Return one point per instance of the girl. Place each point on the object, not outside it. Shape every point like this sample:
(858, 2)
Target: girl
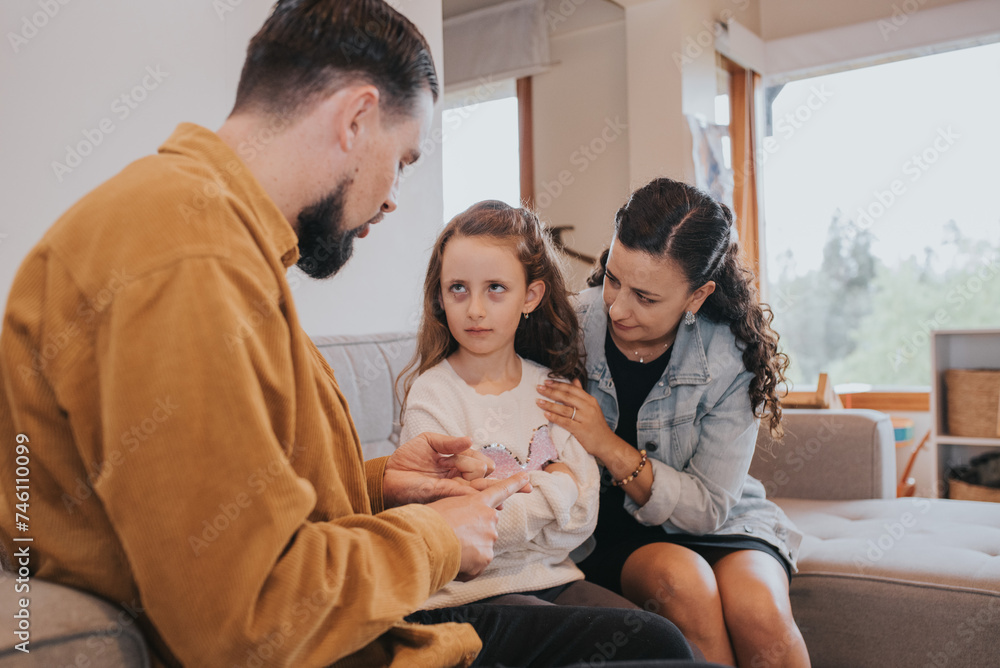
(496, 323)
(682, 364)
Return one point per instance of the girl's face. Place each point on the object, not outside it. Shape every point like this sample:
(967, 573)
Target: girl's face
(484, 293)
(645, 296)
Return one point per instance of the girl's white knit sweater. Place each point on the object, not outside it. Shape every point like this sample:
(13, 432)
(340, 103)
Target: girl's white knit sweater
(538, 530)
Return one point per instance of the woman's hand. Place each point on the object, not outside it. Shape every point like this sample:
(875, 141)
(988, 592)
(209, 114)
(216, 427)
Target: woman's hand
(578, 413)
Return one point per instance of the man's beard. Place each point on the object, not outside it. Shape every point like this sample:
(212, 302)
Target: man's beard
(324, 246)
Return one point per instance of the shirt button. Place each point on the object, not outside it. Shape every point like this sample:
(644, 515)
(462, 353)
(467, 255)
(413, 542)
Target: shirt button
(748, 528)
(660, 383)
(651, 447)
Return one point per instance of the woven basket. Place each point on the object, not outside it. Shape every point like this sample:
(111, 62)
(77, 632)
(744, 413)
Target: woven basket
(973, 402)
(968, 492)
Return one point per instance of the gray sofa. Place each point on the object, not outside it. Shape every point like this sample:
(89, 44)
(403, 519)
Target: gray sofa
(882, 581)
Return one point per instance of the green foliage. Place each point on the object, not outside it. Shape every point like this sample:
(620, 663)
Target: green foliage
(861, 321)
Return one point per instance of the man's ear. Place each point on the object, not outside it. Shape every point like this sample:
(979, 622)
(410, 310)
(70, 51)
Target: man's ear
(533, 296)
(356, 115)
(699, 296)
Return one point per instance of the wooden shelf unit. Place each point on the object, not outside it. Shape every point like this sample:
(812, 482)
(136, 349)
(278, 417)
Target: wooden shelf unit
(958, 349)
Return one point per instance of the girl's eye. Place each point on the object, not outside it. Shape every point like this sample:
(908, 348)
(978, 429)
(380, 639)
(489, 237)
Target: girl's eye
(497, 287)
(457, 288)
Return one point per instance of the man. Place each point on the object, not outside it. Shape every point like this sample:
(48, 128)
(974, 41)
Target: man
(193, 457)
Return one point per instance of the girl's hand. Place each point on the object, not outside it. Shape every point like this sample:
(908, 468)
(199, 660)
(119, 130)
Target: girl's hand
(553, 467)
(578, 413)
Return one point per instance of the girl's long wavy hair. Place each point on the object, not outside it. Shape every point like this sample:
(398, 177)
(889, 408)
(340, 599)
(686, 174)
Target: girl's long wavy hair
(547, 337)
(672, 220)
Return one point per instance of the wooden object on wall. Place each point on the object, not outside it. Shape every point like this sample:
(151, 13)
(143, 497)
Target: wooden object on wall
(823, 397)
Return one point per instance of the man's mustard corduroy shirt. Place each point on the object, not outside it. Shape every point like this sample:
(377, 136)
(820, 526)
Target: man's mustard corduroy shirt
(191, 456)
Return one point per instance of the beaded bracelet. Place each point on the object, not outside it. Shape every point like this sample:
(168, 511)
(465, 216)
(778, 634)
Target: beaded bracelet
(632, 476)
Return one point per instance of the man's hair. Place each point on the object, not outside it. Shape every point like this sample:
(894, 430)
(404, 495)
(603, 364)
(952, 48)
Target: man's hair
(309, 49)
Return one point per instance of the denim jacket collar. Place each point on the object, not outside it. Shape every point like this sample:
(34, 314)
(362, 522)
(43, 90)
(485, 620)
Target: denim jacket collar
(688, 363)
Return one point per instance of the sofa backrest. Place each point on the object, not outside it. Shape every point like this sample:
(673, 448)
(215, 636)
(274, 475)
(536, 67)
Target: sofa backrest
(366, 368)
(828, 454)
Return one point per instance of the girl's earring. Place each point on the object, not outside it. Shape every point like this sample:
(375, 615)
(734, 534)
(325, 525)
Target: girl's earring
(689, 318)
(526, 315)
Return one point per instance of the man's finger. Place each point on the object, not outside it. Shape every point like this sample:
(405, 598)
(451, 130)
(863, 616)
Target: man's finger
(447, 445)
(473, 464)
(495, 495)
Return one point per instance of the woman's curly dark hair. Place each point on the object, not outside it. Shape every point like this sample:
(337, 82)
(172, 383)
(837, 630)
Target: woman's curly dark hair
(666, 218)
(549, 338)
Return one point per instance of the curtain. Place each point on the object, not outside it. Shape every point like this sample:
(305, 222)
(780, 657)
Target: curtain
(506, 41)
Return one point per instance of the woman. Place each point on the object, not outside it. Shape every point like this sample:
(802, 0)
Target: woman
(682, 364)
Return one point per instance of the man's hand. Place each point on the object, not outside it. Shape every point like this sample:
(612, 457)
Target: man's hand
(474, 520)
(431, 467)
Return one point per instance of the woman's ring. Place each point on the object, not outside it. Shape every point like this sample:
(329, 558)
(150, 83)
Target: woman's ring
(571, 417)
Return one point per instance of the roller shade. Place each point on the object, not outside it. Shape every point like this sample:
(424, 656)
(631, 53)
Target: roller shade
(505, 41)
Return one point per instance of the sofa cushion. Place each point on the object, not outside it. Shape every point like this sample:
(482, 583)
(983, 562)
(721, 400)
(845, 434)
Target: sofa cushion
(927, 569)
(69, 628)
(366, 369)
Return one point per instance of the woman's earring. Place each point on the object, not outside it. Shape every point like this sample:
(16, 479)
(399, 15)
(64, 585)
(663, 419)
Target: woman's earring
(526, 315)
(689, 318)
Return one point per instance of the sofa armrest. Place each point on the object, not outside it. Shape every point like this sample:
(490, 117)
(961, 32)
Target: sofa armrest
(828, 455)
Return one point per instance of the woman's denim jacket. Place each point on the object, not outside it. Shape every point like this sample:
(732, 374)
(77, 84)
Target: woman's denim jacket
(698, 427)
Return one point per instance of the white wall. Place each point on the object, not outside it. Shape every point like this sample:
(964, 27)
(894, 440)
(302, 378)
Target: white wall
(62, 79)
(631, 74)
(581, 135)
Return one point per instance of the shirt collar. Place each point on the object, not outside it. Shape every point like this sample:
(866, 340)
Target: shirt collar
(688, 362)
(231, 173)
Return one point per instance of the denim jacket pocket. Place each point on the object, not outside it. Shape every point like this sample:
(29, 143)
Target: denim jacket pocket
(671, 440)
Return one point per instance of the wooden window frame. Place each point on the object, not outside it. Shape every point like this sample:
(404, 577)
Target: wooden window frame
(526, 142)
(743, 84)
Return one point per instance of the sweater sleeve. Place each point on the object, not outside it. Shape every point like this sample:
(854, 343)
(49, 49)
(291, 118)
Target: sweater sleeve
(559, 514)
(215, 522)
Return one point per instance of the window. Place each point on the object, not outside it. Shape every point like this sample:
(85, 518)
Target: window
(882, 218)
(480, 147)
